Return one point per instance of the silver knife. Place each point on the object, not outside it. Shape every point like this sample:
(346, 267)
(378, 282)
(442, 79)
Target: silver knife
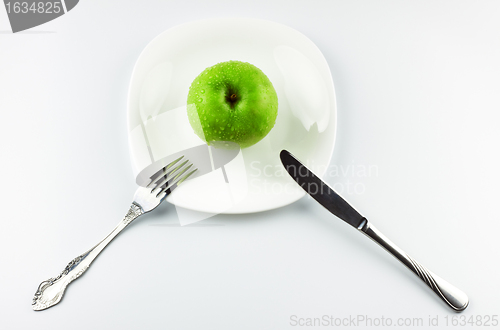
(327, 197)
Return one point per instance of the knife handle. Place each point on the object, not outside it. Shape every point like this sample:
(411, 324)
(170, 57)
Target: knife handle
(452, 296)
(51, 291)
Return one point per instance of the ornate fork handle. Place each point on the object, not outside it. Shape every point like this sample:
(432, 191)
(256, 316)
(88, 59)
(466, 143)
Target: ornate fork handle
(51, 291)
(454, 297)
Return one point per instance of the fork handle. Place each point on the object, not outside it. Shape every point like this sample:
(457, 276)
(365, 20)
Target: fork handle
(51, 291)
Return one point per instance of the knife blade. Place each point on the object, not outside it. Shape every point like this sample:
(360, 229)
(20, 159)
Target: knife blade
(328, 198)
(320, 191)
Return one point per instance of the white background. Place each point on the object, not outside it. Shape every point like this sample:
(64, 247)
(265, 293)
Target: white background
(417, 86)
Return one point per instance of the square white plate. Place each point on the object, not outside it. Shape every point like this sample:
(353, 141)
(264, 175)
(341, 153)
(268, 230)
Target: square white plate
(254, 180)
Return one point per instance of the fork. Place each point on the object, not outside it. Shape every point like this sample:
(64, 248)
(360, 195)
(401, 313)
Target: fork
(146, 199)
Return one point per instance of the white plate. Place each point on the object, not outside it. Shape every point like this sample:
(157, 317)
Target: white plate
(306, 123)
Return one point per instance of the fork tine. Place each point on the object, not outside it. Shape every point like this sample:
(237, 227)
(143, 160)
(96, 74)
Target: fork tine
(173, 183)
(161, 180)
(169, 180)
(163, 172)
(186, 176)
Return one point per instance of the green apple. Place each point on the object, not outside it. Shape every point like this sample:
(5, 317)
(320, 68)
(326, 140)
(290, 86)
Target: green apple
(232, 102)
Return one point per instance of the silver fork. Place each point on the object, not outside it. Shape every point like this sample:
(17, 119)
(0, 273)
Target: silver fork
(146, 199)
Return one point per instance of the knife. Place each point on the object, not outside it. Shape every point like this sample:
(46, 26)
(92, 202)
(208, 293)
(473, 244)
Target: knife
(327, 197)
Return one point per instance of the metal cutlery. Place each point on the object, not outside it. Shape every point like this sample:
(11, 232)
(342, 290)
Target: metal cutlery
(146, 199)
(327, 197)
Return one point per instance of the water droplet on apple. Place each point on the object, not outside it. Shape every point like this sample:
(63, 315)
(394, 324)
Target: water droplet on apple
(210, 83)
(202, 91)
(200, 100)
